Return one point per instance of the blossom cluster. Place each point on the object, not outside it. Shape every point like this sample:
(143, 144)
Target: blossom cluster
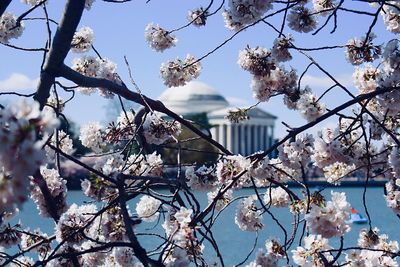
(71, 221)
(178, 230)
(32, 2)
(391, 16)
(309, 106)
(298, 153)
(158, 38)
(380, 246)
(71, 232)
(198, 16)
(334, 172)
(366, 78)
(157, 130)
(98, 68)
(233, 169)
(9, 28)
(203, 178)
(330, 219)
(362, 50)
(280, 49)
(147, 208)
(324, 6)
(272, 256)
(58, 190)
(393, 196)
(9, 236)
(247, 216)
(271, 169)
(222, 201)
(114, 164)
(82, 40)
(308, 255)
(270, 78)
(301, 19)
(62, 141)
(35, 237)
(23, 131)
(276, 197)
(123, 129)
(178, 72)
(375, 250)
(241, 13)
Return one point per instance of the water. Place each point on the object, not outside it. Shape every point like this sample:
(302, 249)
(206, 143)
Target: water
(235, 244)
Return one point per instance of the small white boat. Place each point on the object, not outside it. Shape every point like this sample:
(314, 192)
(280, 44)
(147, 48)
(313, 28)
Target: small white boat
(356, 217)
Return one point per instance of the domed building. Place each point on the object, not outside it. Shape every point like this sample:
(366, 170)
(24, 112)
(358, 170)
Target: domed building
(243, 138)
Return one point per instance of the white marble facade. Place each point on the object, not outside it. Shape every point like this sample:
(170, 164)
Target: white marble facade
(246, 137)
(243, 138)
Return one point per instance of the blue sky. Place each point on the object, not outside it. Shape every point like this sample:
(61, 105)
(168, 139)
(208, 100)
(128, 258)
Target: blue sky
(119, 32)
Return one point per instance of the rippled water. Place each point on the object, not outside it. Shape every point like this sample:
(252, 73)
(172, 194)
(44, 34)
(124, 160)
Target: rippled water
(235, 244)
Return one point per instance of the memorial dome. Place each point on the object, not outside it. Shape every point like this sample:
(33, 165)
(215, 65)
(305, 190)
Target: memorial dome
(193, 98)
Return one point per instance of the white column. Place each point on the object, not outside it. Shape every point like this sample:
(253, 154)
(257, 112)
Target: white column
(271, 134)
(242, 140)
(229, 137)
(235, 146)
(221, 134)
(248, 140)
(267, 144)
(256, 138)
(262, 139)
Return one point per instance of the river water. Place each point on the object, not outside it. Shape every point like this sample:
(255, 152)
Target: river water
(235, 244)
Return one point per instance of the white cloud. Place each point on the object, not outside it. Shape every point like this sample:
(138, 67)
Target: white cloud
(235, 101)
(18, 81)
(324, 82)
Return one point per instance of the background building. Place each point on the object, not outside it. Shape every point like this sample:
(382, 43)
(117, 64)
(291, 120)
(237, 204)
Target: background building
(244, 138)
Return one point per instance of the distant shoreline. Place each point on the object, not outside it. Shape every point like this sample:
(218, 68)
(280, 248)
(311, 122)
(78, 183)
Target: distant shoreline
(290, 184)
(344, 183)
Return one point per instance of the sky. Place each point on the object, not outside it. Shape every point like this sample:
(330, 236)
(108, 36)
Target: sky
(119, 31)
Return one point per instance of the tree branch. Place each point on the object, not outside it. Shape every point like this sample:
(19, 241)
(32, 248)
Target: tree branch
(123, 91)
(50, 203)
(139, 251)
(3, 6)
(59, 49)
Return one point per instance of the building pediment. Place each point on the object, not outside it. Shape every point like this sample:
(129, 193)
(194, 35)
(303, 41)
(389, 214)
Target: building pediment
(254, 113)
(259, 113)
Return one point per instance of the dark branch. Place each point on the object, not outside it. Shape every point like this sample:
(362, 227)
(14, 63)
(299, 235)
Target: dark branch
(59, 49)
